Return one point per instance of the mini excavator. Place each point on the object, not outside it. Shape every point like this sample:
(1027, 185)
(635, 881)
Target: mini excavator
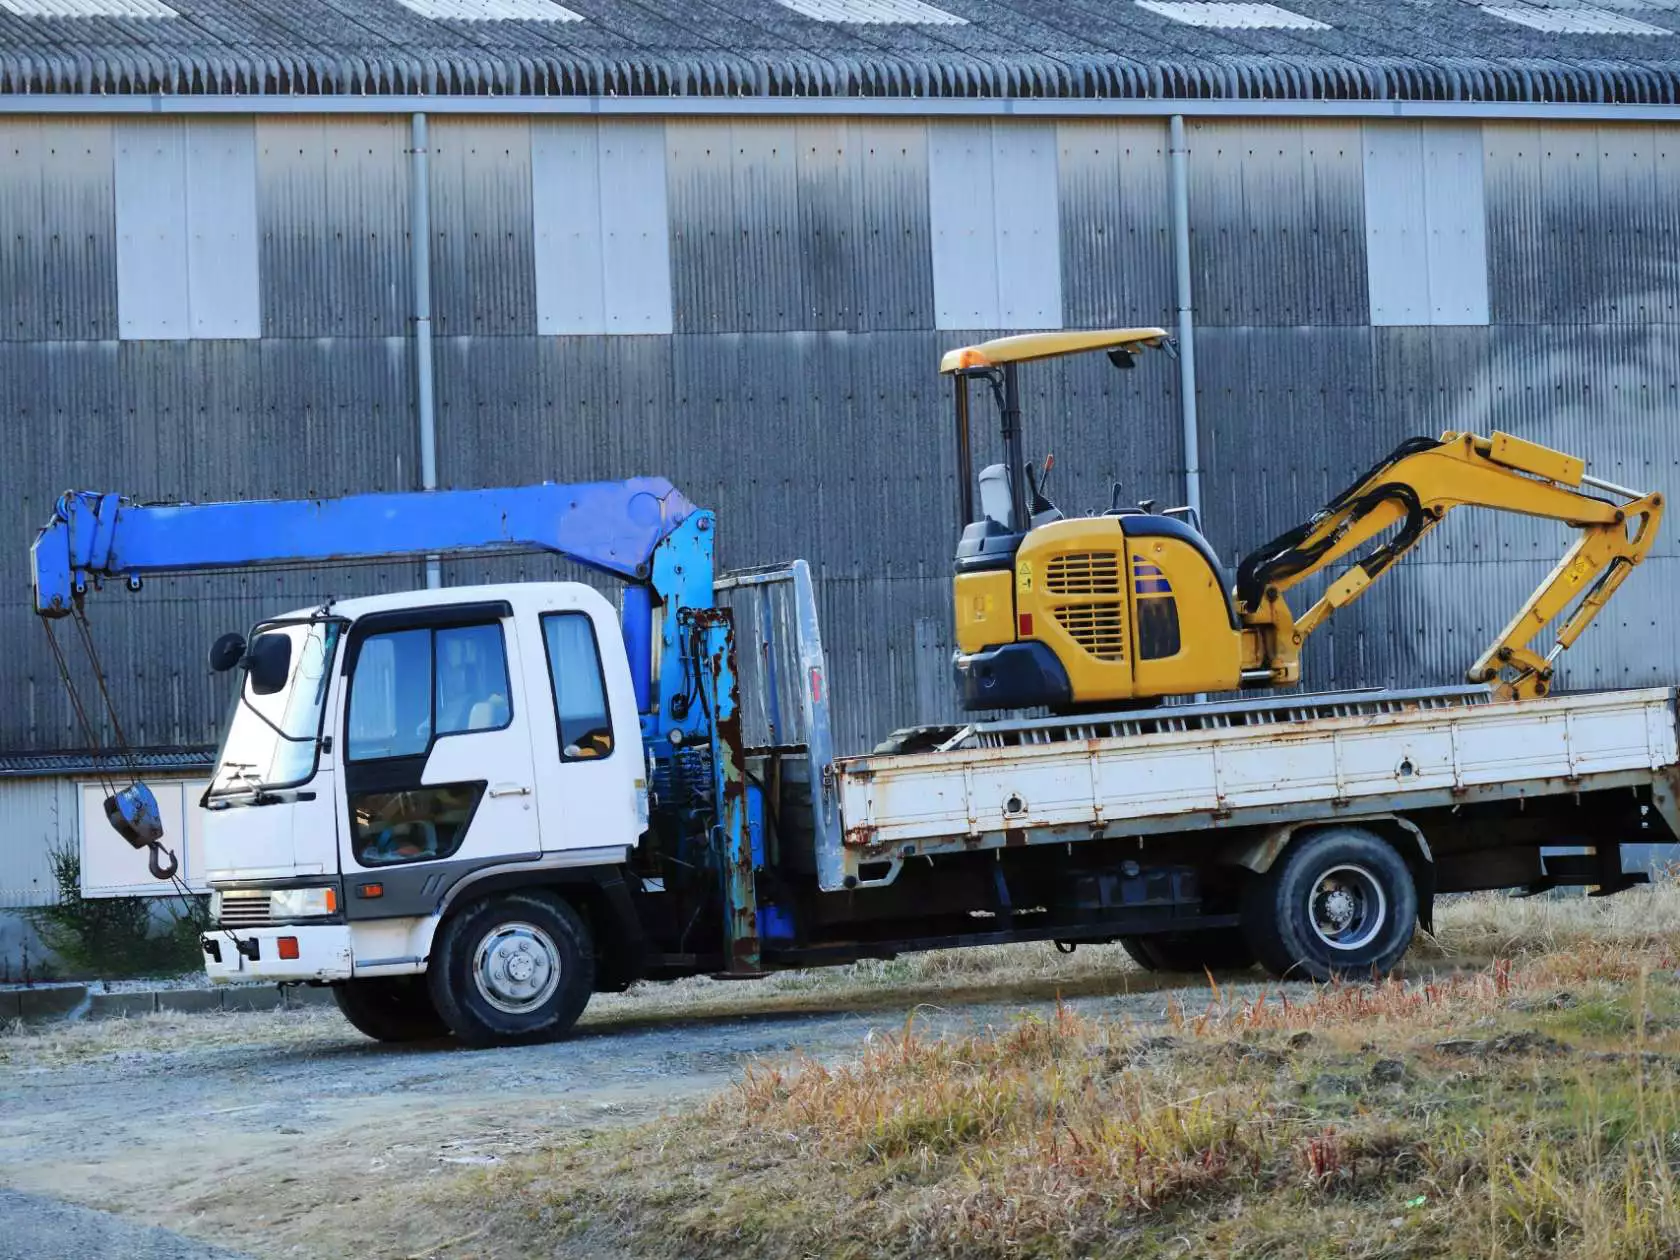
(1082, 613)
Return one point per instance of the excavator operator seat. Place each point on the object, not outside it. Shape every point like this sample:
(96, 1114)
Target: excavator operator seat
(994, 495)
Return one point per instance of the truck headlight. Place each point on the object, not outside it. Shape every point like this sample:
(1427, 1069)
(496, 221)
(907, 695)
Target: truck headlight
(302, 903)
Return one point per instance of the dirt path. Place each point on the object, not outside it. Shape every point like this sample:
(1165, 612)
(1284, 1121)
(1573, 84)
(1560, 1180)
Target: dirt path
(289, 1134)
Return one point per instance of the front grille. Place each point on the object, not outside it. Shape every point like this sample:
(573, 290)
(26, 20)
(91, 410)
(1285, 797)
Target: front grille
(1083, 573)
(244, 907)
(1098, 628)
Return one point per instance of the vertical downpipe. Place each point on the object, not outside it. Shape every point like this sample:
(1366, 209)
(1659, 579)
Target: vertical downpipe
(1179, 154)
(420, 240)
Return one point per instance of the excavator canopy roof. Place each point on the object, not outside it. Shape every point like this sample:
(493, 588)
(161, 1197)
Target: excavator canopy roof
(1049, 345)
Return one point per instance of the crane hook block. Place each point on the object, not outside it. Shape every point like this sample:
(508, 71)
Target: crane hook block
(133, 815)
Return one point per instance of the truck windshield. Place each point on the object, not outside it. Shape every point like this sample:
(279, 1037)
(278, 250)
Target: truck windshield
(273, 735)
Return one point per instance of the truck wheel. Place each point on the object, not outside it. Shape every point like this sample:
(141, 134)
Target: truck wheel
(390, 1008)
(1221, 949)
(1339, 902)
(512, 970)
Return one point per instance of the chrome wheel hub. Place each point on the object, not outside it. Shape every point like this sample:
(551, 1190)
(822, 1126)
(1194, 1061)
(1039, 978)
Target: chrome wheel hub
(1347, 907)
(517, 967)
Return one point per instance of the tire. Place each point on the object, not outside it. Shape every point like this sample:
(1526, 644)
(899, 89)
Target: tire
(1340, 902)
(512, 970)
(1219, 949)
(394, 1008)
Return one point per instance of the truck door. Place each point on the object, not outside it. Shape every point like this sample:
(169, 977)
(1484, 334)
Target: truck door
(437, 764)
(584, 729)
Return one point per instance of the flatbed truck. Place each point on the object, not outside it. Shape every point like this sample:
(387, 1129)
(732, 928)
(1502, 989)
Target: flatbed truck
(467, 809)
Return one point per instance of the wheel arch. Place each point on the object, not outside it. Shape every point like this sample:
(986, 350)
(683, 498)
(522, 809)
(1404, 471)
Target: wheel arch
(1258, 854)
(601, 894)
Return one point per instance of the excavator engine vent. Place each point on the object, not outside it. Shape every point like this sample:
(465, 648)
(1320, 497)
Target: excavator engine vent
(1100, 629)
(1083, 573)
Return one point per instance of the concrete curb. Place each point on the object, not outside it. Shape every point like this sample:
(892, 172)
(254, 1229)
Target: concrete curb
(76, 1002)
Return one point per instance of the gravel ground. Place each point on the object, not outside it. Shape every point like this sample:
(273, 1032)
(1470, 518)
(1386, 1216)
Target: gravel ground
(36, 1228)
(289, 1134)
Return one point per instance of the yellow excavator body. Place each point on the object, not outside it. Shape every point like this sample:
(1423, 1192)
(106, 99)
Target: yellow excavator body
(1132, 606)
(1127, 615)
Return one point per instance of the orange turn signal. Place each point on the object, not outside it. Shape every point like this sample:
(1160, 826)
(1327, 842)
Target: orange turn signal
(332, 901)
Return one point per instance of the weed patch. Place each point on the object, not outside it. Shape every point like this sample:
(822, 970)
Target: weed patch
(1471, 1115)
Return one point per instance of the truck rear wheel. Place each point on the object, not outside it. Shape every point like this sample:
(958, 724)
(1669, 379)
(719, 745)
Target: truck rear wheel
(1339, 902)
(512, 970)
(390, 1008)
(1220, 949)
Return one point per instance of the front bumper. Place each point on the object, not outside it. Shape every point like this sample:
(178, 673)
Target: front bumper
(323, 953)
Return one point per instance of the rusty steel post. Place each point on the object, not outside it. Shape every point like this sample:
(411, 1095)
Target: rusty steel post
(715, 645)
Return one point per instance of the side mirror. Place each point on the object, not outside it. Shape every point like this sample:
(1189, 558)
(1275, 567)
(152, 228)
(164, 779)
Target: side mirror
(269, 663)
(226, 652)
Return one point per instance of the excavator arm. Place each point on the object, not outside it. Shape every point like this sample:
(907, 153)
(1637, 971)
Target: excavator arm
(1407, 495)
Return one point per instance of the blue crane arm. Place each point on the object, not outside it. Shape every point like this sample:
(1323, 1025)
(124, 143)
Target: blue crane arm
(613, 527)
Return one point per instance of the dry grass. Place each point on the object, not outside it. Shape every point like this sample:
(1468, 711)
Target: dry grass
(53, 1044)
(1528, 1108)
(1494, 925)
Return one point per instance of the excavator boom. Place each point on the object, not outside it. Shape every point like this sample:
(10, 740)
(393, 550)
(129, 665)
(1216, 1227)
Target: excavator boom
(1406, 496)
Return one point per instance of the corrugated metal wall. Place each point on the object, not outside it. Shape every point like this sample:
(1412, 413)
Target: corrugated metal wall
(808, 260)
(38, 817)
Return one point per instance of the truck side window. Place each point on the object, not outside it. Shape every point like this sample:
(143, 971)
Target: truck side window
(472, 680)
(580, 689)
(391, 696)
(413, 684)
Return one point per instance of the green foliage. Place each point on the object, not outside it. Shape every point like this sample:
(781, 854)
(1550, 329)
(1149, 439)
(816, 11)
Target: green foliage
(114, 937)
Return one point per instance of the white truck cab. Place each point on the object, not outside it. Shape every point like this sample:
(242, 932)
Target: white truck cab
(386, 752)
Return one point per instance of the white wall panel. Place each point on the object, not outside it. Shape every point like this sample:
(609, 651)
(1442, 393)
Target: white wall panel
(602, 246)
(221, 202)
(186, 209)
(111, 867)
(1425, 224)
(151, 195)
(37, 816)
(996, 231)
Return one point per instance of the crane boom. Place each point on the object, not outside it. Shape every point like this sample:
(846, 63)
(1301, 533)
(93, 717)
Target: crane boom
(610, 526)
(1406, 496)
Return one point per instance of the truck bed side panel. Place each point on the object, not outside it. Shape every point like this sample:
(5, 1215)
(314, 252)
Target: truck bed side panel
(983, 797)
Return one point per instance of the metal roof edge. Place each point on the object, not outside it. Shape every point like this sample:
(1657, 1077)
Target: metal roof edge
(53, 103)
(81, 764)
